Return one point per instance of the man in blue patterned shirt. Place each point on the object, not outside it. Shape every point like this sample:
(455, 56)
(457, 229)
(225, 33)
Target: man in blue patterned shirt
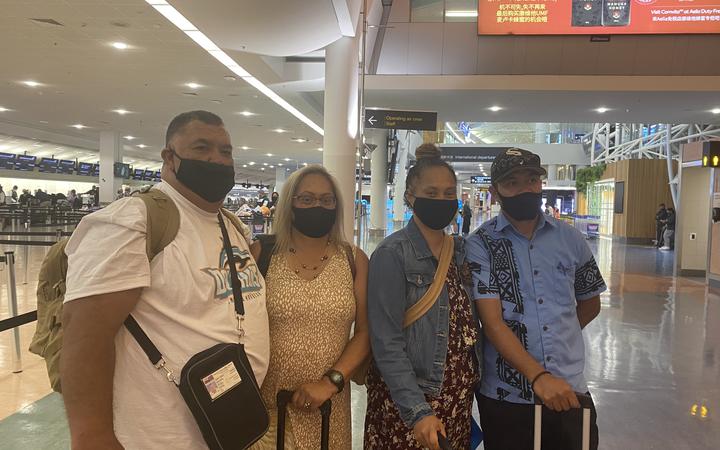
(536, 286)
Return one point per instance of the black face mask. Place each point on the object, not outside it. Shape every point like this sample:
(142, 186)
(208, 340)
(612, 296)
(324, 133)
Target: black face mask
(314, 222)
(211, 181)
(525, 206)
(435, 213)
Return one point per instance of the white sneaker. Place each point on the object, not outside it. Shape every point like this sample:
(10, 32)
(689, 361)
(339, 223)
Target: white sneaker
(664, 248)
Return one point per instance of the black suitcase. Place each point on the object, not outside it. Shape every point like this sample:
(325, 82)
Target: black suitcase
(283, 398)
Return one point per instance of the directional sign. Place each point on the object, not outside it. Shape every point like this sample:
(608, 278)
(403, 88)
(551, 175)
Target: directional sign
(400, 120)
(477, 179)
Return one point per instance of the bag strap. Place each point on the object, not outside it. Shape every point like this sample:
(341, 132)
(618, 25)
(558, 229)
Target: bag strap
(234, 280)
(163, 220)
(347, 248)
(427, 301)
(238, 224)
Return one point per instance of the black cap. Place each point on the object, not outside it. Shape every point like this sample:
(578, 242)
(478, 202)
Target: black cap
(513, 160)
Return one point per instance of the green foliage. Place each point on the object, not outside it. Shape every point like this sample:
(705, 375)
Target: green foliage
(588, 175)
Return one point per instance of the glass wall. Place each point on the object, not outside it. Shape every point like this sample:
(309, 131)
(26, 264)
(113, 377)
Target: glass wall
(601, 203)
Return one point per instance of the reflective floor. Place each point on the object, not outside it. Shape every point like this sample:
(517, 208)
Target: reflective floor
(653, 360)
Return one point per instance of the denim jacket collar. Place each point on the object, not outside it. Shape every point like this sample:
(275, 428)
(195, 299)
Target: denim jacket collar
(417, 240)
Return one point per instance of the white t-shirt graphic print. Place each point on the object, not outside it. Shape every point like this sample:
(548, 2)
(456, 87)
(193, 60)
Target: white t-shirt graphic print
(186, 306)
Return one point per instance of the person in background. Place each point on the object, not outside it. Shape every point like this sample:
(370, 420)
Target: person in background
(660, 216)
(422, 378)
(556, 212)
(536, 286)
(26, 197)
(273, 200)
(14, 194)
(313, 302)
(467, 218)
(3, 202)
(669, 234)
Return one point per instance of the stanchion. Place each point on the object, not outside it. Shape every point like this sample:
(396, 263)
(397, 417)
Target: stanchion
(26, 262)
(9, 260)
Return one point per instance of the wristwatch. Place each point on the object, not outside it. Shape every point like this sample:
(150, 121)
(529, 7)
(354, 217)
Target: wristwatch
(336, 378)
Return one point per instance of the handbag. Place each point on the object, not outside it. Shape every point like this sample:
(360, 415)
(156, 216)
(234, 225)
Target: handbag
(422, 306)
(218, 384)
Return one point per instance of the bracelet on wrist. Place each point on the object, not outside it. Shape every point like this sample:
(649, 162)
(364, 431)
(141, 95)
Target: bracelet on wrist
(537, 377)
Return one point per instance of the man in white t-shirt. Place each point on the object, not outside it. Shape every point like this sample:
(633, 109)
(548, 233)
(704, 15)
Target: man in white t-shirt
(114, 396)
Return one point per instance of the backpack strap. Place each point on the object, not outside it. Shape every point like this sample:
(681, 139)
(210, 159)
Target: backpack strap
(267, 248)
(163, 220)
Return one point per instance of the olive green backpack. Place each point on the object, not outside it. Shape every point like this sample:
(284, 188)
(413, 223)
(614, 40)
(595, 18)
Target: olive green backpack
(163, 222)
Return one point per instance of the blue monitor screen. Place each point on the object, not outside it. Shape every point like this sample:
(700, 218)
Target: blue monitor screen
(66, 166)
(158, 176)
(85, 169)
(48, 165)
(7, 161)
(96, 170)
(25, 163)
(138, 174)
(149, 175)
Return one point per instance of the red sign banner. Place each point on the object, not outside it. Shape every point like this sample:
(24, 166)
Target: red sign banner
(544, 17)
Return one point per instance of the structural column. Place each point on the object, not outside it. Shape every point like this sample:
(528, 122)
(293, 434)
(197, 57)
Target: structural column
(399, 200)
(341, 120)
(552, 170)
(280, 177)
(110, 153)
(378, 178)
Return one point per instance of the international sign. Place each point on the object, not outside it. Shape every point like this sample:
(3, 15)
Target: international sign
(400, 120)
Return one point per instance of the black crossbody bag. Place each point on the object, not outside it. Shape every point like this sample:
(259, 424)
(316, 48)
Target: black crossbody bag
(218, 384)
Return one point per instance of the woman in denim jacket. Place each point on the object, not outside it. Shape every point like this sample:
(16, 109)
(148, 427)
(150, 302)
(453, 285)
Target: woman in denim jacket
(422, 377)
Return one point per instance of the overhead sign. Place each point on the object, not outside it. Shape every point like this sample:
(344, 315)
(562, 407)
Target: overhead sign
(477, 179)
(400, 120)
(471, 154)
(542, 17)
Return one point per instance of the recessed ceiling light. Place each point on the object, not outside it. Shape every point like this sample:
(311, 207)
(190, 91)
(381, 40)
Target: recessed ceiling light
(602, 110)
(230, 78)
(120, 45)
(129, 138)
(265, 164)
(279, 164)
(244, 165)
(461, 13)
(245, 147)
(78, 126)
(320, 149)
(495, 108)
(287, 159)
(142, 146)
(299, 140)
(305, 164)
(31, 83)
(44, 122)
(279, 130)
(357, 153)
(122, 112)
(272, 167)
(193, 85)
(246, 113)
(262, 168)
(3, 109)
(715, 111)
(251, 163)
(270, 154)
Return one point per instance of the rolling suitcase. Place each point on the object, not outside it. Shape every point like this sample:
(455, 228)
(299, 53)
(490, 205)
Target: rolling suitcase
(283, 398)
(585, 404)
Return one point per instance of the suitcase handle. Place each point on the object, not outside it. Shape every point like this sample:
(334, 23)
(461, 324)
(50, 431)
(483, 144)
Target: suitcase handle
(584, 399)
(444, 443)
(283, 398)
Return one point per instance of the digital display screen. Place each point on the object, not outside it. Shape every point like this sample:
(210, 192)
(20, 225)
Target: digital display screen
(479, 180)
(96, 170)
(544, 17)
(25, 163)
(85, 169)
(66, 166)
(7, 161)
(121, 170)
(158, 176)
(149, 175)
(48, 165)
(138, 174)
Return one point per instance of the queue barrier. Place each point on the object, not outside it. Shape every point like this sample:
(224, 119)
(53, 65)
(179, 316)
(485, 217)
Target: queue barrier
(8, 261)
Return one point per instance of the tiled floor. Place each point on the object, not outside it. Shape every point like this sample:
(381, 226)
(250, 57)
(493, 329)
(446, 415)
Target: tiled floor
(653, 361)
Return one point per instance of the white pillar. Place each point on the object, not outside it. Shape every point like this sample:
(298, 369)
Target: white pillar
(341, 120)
(378, 178)
(552, 170)
(399, 200)
(280, 176)
(109, 155)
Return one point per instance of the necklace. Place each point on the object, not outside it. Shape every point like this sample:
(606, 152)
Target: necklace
(313, 268)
